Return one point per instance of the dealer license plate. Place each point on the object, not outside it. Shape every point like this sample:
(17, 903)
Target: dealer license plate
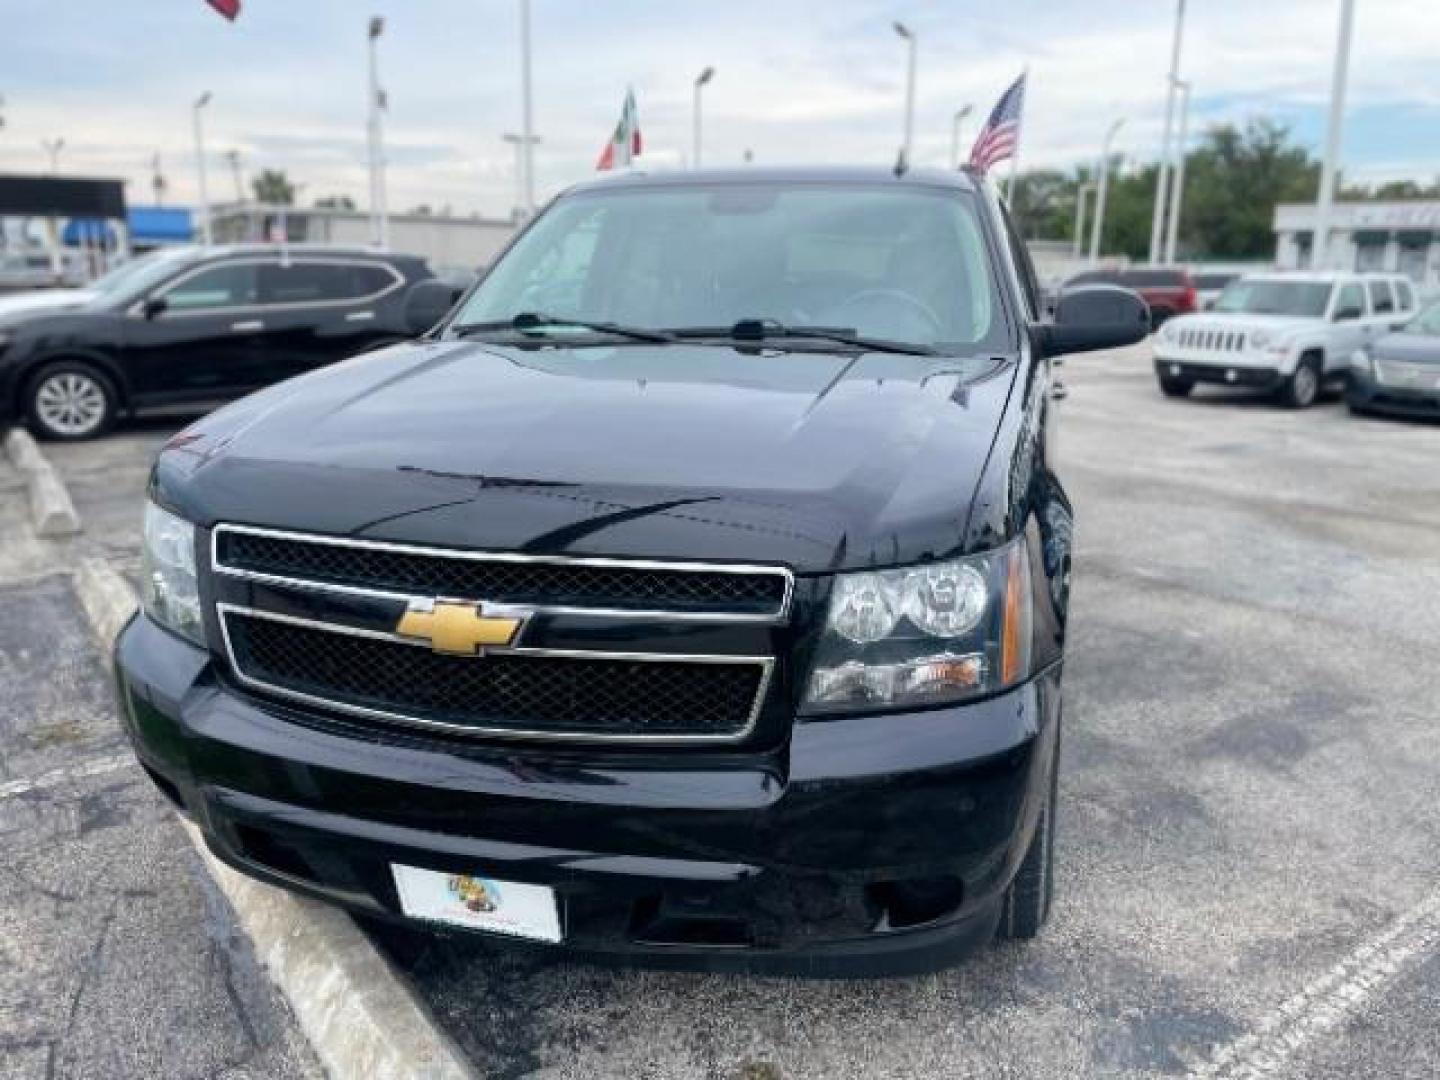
(480, 903)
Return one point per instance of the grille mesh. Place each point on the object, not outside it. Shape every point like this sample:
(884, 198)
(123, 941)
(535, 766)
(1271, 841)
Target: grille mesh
(536, 583)
(544, 695)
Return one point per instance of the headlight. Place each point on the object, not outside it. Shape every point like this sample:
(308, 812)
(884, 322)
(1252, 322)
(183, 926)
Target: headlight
(1169, 332)
(168, 589)
(924, 635)
(1260, 338)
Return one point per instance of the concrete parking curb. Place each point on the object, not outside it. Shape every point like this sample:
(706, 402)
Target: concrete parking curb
(358, 1013)
(51, 509)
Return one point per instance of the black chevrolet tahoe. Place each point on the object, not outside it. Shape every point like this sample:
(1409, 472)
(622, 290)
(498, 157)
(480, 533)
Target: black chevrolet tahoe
(694, 591)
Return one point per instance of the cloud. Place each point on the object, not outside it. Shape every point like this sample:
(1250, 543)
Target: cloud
(796, 82)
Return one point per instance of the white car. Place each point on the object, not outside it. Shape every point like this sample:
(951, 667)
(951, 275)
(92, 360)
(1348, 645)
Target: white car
(1286, 332)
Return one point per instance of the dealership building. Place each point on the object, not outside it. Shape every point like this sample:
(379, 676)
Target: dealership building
(1398, 237)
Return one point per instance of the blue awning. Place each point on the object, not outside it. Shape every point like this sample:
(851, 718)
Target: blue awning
(147, 225)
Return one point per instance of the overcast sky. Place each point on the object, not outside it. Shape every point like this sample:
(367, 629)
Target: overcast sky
(796, 82)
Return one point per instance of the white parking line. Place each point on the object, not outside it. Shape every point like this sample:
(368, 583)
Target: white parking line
(1326, 1001)
(53, 778)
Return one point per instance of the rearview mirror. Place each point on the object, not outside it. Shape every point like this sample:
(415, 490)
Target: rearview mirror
(427, 303)
(154, 306)
(1090, 317)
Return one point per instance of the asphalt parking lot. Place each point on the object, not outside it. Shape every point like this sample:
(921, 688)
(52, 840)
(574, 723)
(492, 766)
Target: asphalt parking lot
(1249, 820)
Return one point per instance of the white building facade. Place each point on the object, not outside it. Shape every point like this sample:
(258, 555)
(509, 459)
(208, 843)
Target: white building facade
(1392, 237)
(466, 243)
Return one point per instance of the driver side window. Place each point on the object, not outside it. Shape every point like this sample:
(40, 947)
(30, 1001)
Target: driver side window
(1350, 304)
(225, 285)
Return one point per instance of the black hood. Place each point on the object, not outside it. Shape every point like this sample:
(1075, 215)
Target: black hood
(816, 460)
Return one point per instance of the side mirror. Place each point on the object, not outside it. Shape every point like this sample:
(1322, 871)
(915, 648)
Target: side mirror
(154, 306)
(1090, 317)
(427, 303)
(1347, 314)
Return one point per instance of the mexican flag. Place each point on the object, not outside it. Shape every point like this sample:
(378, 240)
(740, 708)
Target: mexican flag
(624, 145)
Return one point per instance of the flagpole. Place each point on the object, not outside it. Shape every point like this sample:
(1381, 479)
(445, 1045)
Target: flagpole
(1019, 134)
(527, 127)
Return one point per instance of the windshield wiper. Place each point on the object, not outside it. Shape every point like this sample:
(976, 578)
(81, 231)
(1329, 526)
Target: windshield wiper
(761, 330)
(533, 320)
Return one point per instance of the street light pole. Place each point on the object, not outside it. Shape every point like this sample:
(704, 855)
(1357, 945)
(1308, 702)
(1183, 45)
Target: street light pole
(205, 234)
(527, 119)
(379, 216)
(906, 147)
(233, 157)
(960, 115)
(53, 148)
(1330, 165)
(1163, 179)
(1183, 86)
(1104, 169)
(700, 81)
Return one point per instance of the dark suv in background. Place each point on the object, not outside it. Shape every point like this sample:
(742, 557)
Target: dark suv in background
(200, 326)
(1168, 290)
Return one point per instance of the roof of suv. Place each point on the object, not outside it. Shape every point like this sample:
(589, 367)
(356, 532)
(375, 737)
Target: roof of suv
(270, 248)
(961, 179)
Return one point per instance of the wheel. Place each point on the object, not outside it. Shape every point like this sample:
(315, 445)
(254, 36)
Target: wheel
(1172, 387)
(1303, 388)
(70, 400)
(1026, 904)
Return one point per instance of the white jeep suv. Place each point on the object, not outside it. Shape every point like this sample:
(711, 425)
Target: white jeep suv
(1286, 332)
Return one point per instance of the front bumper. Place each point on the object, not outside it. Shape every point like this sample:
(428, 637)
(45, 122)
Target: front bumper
(815, 857)
(1261, 378)
(1365, 394)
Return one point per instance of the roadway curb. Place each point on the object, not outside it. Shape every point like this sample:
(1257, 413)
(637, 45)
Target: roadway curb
(51, 511)
(359, 1014)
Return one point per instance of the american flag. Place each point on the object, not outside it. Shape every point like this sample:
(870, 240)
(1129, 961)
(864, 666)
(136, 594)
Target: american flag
(1001, 133)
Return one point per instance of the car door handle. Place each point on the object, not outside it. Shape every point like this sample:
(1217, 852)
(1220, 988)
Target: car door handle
(359, 316)
(247, 325)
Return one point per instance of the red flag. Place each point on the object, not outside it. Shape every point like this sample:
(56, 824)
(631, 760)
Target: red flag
(228, 8)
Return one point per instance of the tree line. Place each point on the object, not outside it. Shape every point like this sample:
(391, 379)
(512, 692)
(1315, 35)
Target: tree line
(1233, 181)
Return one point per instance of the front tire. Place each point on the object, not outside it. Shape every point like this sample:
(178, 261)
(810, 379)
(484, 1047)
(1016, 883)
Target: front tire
(1302, 389)
(1026, 905)
(70, 400)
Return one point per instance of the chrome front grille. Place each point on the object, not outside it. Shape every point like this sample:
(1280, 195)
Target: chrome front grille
(541, 695)
(315, 620)
(1403, 375)
(1228, 341)
(543, 583)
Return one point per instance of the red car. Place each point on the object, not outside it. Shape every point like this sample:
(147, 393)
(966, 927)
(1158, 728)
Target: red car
(1169, 290)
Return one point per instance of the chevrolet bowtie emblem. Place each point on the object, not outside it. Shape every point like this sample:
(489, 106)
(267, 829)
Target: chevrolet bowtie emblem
(460, 629)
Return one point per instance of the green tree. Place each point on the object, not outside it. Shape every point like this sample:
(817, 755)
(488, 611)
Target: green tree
(1233, 181)
(1232, 185)
(274, 187)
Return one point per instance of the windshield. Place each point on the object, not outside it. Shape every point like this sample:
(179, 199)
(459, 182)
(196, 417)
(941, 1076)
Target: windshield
(120, 276)
(1427, 323)
(129, 282)
(1259, 296)
(900, 264)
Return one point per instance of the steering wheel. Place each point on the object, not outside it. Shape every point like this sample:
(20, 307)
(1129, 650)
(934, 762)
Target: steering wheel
(895, 296)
